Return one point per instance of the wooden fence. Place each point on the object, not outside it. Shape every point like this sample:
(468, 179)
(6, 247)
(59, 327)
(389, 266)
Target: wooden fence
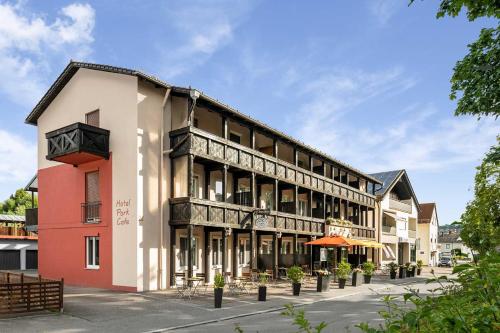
(21, 293)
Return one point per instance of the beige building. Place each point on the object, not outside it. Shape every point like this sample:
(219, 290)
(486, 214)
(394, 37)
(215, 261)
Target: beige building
(427, 242)
(397, 210)
(141, 182)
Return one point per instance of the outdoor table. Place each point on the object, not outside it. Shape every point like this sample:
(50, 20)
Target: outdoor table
(241, 283)
(193, 284)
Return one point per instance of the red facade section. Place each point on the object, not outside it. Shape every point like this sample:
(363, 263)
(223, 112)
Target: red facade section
(61, 238)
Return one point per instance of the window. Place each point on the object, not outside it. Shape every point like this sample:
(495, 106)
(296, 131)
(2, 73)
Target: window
(244, 253)
(92, 118)
(447, 246)
(302, 207)
(92, 249)
(196, 187)
(235, 137)
(302, 248)
(184, 252)
(266, 247)
(218, 190)
(286, 247)
(217, 248)
(91, 207)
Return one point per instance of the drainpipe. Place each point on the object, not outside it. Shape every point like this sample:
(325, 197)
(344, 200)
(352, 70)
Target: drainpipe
(160, 189)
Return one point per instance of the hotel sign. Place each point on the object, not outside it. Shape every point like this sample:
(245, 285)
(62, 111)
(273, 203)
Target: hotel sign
(334, 230)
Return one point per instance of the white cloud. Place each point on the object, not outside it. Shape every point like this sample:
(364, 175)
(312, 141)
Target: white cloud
(30, 45)
(418, 137)
(18, 158)
(383, 10)
(203, 29)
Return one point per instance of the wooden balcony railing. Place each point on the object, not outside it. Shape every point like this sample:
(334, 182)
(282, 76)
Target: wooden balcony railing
(190, 140)
(226, 215)
(399, 205)
(78, 143)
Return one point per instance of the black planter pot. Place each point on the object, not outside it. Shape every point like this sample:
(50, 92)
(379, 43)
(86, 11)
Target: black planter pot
(218, 297)
(296, 289)
(393, 275)
(262, 293)
(402, 272)
(368, 278)
(323, 283)
(410, 273)
(342, 283)
(419, 270)
(357, 279)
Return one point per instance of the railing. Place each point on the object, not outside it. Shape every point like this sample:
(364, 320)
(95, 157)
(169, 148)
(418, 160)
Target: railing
(190, 140)
(20, 293)
(219, 214)
(412, 234)
(91, 212)
(389, 230)
(399, 205)
(243, 198)
(78, 138)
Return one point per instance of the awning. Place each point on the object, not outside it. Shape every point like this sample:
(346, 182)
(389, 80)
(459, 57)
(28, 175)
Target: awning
(334, 241)
(388, 251)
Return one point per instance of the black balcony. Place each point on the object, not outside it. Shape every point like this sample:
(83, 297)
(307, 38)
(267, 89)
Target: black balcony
(31, 216)
(91, 212)
(78, 143)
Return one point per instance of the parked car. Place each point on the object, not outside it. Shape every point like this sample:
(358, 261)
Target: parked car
(444, 262)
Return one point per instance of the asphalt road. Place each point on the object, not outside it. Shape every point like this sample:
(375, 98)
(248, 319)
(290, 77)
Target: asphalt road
(340, 314)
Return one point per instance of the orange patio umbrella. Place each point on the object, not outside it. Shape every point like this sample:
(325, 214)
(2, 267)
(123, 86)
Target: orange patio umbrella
(334, 241)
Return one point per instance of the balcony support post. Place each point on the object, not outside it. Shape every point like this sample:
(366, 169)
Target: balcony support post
(206, 193)
(275, 148)
(224, 183)
(296, 199)
(235, 254)
(206, 253)
(224, 128)
(252, 249)
(252, 138)
(295, 157)
(253, 189)
(276, 198)
(310, 203)
(324, 206)
(190, 175)
(224, 252)
(172, 255)
(346, 207)
(275, 256)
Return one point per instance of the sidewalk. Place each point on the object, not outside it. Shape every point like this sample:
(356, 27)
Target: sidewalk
(88, 309)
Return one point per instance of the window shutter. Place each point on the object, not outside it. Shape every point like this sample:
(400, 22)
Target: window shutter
(92, 187)
(92, 118)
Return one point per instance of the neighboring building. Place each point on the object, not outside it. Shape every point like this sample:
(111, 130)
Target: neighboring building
(397, 210)
(427, 242)
(18, 247)
(449, 241)
(139, 180)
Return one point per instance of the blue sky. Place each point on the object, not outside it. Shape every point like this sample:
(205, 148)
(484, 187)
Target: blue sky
(365, 81)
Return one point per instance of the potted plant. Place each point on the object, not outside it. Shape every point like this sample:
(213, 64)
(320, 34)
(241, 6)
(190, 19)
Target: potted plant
(329, 220)
(402, 271)
(420, 263)
(357, 277)
(323, 283)
(296, 274)
(393, 268)
(262, 287)
(218, 290)
(368, 268)
(343, 273)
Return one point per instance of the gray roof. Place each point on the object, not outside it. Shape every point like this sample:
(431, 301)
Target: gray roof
(74, 66)
(452, 237)
(389, 179)
(11, 218)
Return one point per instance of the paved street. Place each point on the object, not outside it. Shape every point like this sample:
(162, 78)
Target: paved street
(93, 310)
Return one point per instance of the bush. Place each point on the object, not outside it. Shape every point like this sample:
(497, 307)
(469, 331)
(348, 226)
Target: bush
(368, 268)
(218, 281)
(295, 273)
(393, 267)
(343, 270)
(468, 303)
(420, 263)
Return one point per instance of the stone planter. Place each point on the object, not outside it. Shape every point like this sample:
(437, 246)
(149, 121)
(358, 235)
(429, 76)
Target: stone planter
(218, 297)
(323, 283)
(342, 283)
(368, 278)
(296, 289)
(262, 293)
(357, 279)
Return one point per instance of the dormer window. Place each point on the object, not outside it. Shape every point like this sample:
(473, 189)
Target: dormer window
(92, 118)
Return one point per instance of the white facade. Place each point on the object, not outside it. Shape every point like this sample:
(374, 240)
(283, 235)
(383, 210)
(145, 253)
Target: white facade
(427, 245)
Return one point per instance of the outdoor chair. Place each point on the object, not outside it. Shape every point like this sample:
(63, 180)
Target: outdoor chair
(205, 283)
(230, 283)
(182, 286)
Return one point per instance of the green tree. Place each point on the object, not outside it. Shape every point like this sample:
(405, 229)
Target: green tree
(481, 220)
(17, 203)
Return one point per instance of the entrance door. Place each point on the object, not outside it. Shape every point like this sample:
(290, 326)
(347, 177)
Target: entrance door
(10, 259)
(216, 255)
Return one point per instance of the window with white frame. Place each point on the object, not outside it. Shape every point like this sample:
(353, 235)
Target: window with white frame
(286, 247)
(266, 247)
(184, 252)
(244, 253)
(302, 247)
(92, 249)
